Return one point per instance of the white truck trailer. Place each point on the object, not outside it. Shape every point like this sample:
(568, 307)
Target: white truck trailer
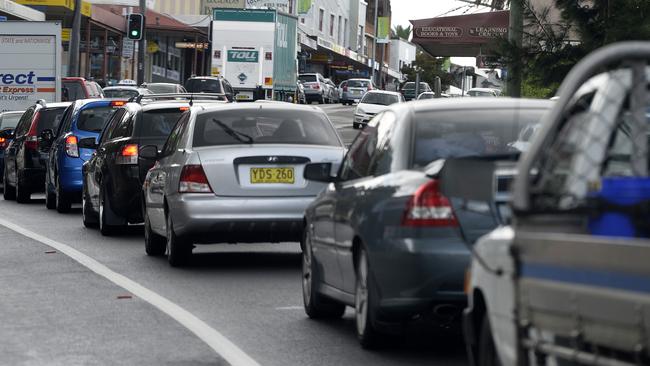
(30, 63)
(255, 50)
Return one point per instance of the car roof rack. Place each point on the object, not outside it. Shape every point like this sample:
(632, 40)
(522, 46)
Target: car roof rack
(190, 97)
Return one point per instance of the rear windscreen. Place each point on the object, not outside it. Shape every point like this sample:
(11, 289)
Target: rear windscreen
(120, 93)
(9, 120)
(380, 98)
(442, 135)
(74, 91)
(263, 126)
(154, 126)
(358, 84)
(163, 88)
(308, 78)
(203, 86)
(94, 119)
(49, 118)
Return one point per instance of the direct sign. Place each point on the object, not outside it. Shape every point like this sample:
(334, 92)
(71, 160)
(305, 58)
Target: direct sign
(243, 56)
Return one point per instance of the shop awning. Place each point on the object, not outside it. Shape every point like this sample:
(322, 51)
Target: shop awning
(51, 5)
(14, 11)
(463, 35)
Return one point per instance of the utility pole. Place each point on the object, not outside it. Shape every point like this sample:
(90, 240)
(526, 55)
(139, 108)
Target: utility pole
(141, 43)
(73, 49)
(515, 37)
(374, 43)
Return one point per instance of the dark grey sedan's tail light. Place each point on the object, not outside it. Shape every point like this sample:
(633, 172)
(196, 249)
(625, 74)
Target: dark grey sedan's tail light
(194, 180)
(128, 155)
(428, 207)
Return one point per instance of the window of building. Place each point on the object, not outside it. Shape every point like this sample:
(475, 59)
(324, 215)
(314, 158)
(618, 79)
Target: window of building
(332, 25)
(338, 30)
(360, 46)
(346, 41)
(302, 20)
(321, 17)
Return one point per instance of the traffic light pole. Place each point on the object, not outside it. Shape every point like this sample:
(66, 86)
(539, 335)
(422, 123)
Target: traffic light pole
(141, 43)
(73, 49)
(515, 36)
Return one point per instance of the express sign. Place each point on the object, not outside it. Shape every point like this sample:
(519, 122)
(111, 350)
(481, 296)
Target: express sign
(243, 56)
(9, 79)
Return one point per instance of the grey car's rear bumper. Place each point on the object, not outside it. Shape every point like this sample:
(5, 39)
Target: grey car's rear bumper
(210, 219)
(420, 277)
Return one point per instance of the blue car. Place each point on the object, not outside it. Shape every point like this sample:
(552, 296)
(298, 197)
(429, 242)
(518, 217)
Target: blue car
(63, 180)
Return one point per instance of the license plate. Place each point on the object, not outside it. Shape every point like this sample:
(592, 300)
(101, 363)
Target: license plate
(243, 97)
(272, 175)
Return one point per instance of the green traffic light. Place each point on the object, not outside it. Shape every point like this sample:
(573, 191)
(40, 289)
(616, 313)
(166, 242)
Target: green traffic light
(134, 33)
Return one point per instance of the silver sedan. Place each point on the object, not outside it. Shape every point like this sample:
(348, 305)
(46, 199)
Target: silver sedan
(234, 173)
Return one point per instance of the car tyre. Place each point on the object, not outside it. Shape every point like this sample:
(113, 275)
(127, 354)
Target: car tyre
(63, 203)
(355, 125)
(364, 304)
(154, 244)
(22, 194)
(316, 306)
(88, 217)
(179, 250)
(105, 228)
(9, 192)
(487, 353)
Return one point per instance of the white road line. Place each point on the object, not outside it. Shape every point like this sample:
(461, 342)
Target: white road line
(220, 344)
(290, 308)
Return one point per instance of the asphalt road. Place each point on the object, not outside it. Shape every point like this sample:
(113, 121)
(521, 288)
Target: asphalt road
(55, 311)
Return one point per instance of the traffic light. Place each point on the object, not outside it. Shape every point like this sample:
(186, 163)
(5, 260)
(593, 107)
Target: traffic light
(135, 26)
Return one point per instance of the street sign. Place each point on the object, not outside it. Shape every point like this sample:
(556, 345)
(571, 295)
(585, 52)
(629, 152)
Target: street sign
(127, 48)
(3, 18)
(197, 45)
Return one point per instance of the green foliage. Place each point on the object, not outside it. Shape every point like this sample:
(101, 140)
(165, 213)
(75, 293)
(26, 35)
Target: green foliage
(401, 32)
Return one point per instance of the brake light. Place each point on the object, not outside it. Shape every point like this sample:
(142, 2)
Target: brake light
(128, 155)
(3, 143)
(31, 139)
(317, 86)
(183, 109)
(369, 86)
(118, 103)
(429, 208)
(345, 88)
(71, 147)
(194, 180)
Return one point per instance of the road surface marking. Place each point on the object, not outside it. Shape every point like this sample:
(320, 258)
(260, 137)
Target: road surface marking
(215, 340)
(290, 308)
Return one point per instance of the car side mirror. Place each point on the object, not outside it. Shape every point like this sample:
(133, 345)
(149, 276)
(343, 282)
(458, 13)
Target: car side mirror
(7, 133)
(88, 143)
(65, 94)
(47, 135)
(149, 152)
(319, 172)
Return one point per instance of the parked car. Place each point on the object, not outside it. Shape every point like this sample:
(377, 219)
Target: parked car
(372, 103)
(210, 84)
(124, 92)
(74, 88)
(8, 122)
(113, 176)
(382, 238)
(83, 119)
(352, 90)
(25, 157)
(233, 174)
(164, 88)
(300, 93)
(408, 90)
(482, 92)
(315, 88)
(333, 91)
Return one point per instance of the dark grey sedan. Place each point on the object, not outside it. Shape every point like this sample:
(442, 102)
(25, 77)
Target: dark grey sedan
(381, 237)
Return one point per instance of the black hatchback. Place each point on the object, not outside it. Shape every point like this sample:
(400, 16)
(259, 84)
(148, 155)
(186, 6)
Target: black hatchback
(25, 157)
(113, 176)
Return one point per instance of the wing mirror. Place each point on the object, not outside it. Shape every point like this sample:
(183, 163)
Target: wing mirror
(88, 143)
(319, 172)
(149, 152)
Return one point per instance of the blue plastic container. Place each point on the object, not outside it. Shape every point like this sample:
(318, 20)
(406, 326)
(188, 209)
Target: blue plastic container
(623, 191)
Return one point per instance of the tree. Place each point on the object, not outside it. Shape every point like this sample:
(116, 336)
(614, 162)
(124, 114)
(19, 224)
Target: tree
(429, 67)
(401, 32)
(552, 47)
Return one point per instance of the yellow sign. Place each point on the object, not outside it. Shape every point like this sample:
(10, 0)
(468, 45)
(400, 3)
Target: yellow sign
(65, 34)
(69, 4)
(152, 47)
